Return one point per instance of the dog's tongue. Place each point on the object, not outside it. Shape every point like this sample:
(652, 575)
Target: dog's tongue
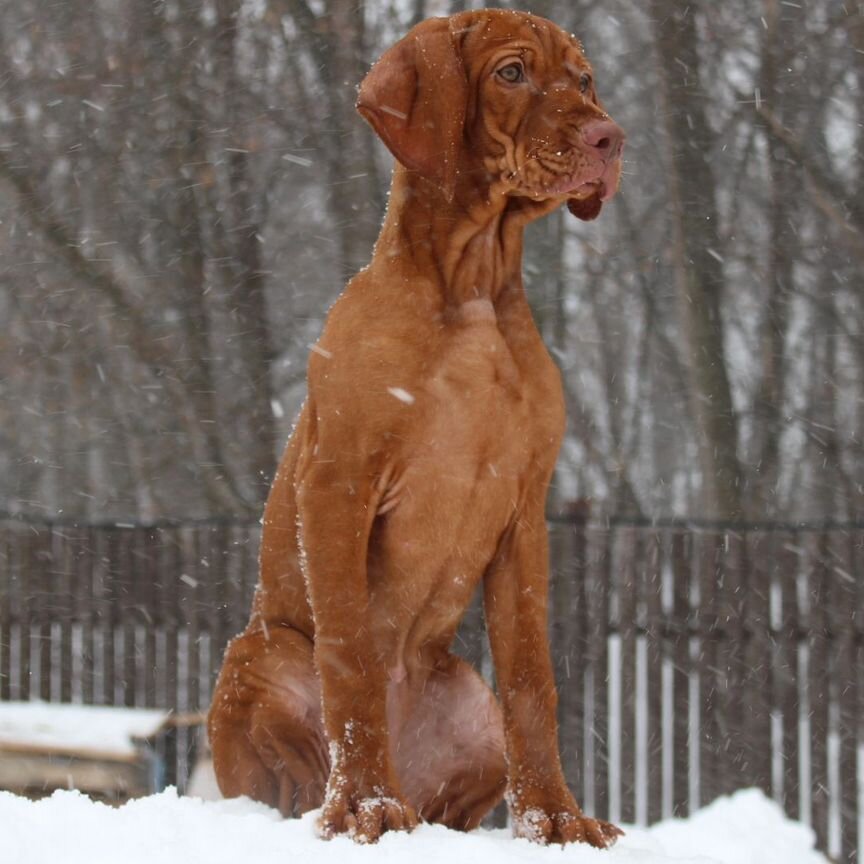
(587, 208)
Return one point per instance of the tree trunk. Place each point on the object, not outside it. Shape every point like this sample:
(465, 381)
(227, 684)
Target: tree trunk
(355, 196)
(783, 180)
(245, 291)
(696, 257)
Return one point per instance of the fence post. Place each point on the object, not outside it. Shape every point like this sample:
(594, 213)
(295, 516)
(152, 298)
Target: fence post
(785, 680)
(566, 572)
(648, 803)
(841, 604)
(677, 651)
(594, 636)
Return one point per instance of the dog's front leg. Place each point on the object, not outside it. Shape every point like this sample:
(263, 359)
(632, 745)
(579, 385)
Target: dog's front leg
(335, 518)
(516, 592)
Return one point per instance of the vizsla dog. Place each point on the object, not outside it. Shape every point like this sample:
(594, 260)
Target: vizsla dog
(420, 463)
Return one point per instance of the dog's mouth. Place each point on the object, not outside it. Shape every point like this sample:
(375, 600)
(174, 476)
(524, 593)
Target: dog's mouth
(542, 176)
(592, 188)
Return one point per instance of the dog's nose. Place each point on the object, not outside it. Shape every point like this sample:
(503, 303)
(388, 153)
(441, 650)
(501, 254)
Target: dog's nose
(606, 137)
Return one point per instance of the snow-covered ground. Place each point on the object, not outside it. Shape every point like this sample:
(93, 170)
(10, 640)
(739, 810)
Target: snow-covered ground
(745, 828)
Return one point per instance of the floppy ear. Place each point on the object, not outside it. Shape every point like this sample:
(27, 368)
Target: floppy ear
(585, 209)
(415, 98)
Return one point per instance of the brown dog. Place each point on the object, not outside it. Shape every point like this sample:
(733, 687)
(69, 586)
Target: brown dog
(420, 464)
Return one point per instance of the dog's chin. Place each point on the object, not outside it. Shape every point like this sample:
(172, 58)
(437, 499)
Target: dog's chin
(585, 200)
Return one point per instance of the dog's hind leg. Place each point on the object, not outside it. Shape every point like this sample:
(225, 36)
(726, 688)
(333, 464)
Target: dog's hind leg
(449, 750)
(265, 722)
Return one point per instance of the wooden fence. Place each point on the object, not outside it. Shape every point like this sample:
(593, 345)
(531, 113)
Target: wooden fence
(690, 662)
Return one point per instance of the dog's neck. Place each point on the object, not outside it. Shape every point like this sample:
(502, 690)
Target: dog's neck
(473, 243)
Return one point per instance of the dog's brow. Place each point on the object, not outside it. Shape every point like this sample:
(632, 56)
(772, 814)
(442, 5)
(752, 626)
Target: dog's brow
(573, 69)
(519, 46)
(467, 29)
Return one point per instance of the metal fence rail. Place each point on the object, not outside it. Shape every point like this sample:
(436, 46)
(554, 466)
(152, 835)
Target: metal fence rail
(690, 662)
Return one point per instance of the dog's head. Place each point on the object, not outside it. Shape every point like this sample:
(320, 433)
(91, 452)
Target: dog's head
(504, 94)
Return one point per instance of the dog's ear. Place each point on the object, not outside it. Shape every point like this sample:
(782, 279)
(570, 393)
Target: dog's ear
(585, 209)
(415, 98)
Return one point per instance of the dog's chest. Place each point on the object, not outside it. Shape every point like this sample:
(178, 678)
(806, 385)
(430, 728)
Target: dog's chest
(487, 397)
(484, 428)
(488, 423)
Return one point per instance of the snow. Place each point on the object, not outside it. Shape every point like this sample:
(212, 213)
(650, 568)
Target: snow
(76, 729)
(745, 828)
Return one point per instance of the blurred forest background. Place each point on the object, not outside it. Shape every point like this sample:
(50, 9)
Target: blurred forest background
(185, 187)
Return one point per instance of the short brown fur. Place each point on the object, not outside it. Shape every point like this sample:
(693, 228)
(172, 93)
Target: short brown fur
(420, 464)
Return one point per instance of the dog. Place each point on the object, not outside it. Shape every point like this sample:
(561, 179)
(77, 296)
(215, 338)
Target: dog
(420, 463)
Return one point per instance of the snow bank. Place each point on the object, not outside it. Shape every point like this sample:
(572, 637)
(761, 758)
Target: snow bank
(745, 828)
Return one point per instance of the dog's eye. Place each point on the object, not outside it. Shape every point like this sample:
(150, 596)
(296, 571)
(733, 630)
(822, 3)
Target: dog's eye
(512, 73)
(584, 83)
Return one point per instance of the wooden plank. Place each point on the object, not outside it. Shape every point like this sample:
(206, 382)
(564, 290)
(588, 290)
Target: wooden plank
(814, 619)
(170, 568)
(145, 573)
(649, 788)
(8, 584)
(574, 643)
(126, 613)
(732, 762)
(622, 623)
(785, 697)
(755, 692)
(843, 684)
(564, 573)
(106, 588)
(708, 549)
(857, 550)
(67, 543)
(584, 660)
(594, 598)
(85, 610)
(677, 649)
(28, 658)
(19, 608)
(35, 775)
(207, 610)
(190, 580)
(238, 612)
(40, 572)
(169, 583)
(856, 816)
(217, 610)
(197, 565)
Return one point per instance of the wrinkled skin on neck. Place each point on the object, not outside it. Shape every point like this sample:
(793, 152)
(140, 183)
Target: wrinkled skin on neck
(473, 243)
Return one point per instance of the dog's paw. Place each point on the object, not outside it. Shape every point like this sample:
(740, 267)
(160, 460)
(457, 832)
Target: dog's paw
(559, 821)
(365, 818)
(541, 827)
